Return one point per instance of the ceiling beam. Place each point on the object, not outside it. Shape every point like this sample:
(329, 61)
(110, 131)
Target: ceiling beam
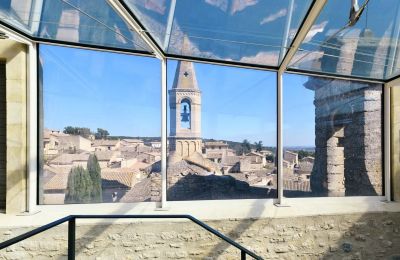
(126, 14)
(301, 34)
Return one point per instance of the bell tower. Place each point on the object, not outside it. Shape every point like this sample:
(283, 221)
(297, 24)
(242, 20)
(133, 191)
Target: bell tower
(185, 111)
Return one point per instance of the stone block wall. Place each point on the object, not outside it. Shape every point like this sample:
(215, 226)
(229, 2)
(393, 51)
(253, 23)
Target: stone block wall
(348, 138)
(368, 236)
(395, 141)
(15, 122)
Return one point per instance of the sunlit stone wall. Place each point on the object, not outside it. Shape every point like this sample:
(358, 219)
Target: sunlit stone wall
(395, 142)
(15, 55)
(368, 236)
(348, 129)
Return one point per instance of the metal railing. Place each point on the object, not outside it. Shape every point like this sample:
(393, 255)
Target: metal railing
(72, 231)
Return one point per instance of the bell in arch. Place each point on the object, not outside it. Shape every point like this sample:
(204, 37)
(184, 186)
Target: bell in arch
(185, 115)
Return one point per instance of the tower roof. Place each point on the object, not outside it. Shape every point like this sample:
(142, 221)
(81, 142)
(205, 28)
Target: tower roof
(185, 76)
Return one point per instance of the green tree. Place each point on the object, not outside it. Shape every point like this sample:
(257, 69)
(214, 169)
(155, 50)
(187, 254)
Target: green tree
(246, 147)
(94, 170)
(82, 131)
(259, 146)
(78, 186)
(303, 153)
(102, 133)
(270, 158)
(69, 130)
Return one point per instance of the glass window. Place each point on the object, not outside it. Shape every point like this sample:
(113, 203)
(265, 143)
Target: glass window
(332, 137)
(358, 38)
(222, 132)
(256, 32)
(91, 22)
(100, 126)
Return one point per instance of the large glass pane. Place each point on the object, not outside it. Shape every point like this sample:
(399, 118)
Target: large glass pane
(364, 46)
(222, 132)
(100, 126)
(255, 32)
(332, 137)
(90, 22)
(19, 14)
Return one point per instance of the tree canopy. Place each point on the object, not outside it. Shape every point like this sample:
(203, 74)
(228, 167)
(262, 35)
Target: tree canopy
(94, 170)
(84, 185)
(82, 131)
(102, 133)
(259, 146)
(78, 186)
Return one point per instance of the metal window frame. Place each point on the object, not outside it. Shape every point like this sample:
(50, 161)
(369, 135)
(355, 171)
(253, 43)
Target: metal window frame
(158, 52)
(312, 14)
(395, 82)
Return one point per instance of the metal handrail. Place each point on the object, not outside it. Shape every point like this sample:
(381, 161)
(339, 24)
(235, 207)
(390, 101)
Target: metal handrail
(71, 219)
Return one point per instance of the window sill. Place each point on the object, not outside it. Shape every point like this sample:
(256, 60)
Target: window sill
(211, 210)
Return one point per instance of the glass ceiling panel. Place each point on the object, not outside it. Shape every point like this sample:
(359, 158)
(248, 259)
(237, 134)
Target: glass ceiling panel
(365, 48)
(90, 22)
(248, 31)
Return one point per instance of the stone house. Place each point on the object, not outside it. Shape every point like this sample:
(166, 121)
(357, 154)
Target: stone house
(105, 145)
(55, 184)
(74, 143)
(151, 157)
(132, 143)
(117, 182)
(291, 157)
(50, 143)
(70, 160)
(257, 158)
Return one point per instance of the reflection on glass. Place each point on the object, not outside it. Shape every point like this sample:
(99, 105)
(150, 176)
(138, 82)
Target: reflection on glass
(89, 22)
(222, 133)
(365, 47)
(100, 127)
(332, 137)
(18, 13)
(246, 31)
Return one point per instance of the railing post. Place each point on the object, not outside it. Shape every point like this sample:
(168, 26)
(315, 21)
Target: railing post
(242, 255)
(71, 238)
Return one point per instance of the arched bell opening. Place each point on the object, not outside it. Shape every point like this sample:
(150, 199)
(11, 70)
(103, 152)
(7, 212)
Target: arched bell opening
(186, 111)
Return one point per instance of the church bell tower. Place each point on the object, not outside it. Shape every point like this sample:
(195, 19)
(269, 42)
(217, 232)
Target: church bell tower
(185, 112)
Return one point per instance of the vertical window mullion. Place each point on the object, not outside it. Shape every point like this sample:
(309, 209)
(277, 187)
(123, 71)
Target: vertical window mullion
(163, 133)
(279, 145)
(386, 144)
(32, 112)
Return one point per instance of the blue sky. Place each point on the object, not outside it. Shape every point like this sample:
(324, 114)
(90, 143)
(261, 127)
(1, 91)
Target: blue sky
(121, 93)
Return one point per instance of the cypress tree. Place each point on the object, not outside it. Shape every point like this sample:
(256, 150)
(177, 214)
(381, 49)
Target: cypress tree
(78, 186)
(94, 170)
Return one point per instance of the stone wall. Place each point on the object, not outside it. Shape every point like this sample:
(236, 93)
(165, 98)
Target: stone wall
(395, 141)
(369, 236)
(15, 55)
(348, 138)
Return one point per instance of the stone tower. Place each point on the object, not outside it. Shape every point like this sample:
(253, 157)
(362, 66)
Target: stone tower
(185, 112)
(348, 121)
